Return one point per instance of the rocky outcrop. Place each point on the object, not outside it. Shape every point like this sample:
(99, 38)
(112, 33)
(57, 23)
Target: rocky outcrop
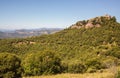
(89, 25)
(93, 22)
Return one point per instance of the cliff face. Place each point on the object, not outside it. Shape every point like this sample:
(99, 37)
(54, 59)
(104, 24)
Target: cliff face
(94, 22)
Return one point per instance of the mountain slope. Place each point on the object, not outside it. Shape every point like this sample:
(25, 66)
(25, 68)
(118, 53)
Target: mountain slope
(94, 47)
(23, 33)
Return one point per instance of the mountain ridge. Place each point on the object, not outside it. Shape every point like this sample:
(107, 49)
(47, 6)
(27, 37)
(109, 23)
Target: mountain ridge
(23, 33)
(93, 22)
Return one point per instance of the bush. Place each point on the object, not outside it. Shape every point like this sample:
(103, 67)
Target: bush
(40, 63)
(118, 74)
(94, 63)
(91, 70)
(73, 67)
(10, 66)
(76, 68)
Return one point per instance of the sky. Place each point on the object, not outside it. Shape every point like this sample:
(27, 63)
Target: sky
(31, 14)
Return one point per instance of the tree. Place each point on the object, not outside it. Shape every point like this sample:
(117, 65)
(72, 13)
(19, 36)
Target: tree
(10, 66)
(40, 63)
(113, 19)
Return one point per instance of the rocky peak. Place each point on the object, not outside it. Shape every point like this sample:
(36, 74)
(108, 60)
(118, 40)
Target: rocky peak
(93, 22)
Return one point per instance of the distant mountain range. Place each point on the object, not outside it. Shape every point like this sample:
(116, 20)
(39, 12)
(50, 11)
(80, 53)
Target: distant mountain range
(22, 33)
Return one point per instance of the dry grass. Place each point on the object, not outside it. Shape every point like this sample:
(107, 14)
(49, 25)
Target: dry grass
(108, 73)
(86, 75)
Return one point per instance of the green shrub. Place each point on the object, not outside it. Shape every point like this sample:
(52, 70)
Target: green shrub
(76, 68)
(118, 74)
(10, 66)
(94, 63)
(91, 70)
(40, 63)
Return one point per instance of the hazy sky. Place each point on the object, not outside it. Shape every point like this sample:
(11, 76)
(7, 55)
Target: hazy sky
(17, 14)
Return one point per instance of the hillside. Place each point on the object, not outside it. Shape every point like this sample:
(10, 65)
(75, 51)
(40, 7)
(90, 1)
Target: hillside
(86, 46)
(23, 33)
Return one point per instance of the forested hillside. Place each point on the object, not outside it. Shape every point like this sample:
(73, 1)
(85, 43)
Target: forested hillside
(86, 46)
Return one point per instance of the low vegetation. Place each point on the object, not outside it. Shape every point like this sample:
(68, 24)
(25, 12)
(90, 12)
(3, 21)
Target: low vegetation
(41, 63)
(86, 75)
(10, 66)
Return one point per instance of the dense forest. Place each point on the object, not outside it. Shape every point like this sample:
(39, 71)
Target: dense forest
(78, 49)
